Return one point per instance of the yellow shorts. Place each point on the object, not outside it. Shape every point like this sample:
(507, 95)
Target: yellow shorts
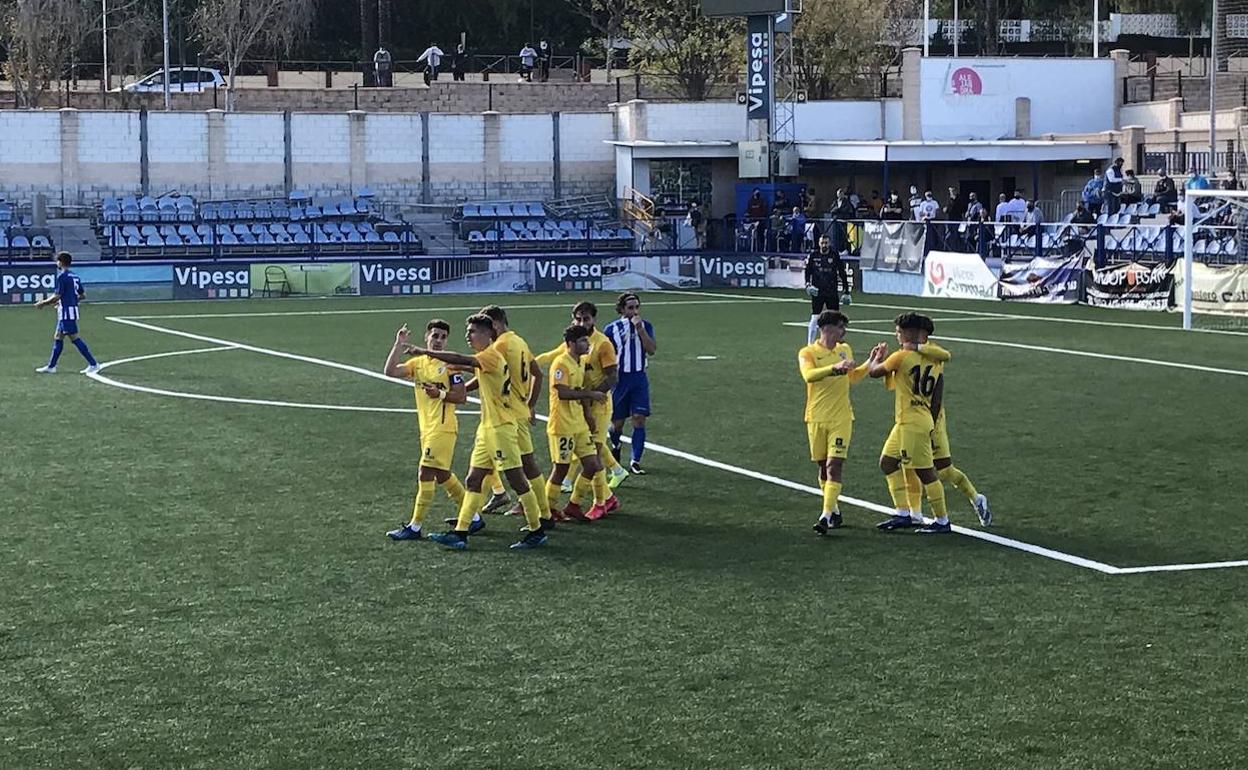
(912, 444)
(829, 439)
(524, 437)
(565, 447)
(496, 448)
(602, 421)
(940, 440)
(437, 451)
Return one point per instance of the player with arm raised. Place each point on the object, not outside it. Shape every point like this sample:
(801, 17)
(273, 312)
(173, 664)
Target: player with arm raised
(570, 429)
(438, 391)
(497, 441)
(68, 294)
(909, 444)
(633, 338)
(828, 368)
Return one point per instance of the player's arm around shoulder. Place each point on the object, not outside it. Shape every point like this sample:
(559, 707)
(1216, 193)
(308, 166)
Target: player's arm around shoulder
(934, 352)
(880, 363)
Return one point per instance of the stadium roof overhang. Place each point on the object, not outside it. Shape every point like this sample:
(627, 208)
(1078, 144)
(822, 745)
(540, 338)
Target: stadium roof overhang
(891, 151)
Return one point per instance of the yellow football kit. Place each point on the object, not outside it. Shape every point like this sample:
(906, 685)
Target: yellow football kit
(516, 353)
(439, 425)
(601, 356)
(567, 430)
(497, 444)
(913, 378)
(829, 414)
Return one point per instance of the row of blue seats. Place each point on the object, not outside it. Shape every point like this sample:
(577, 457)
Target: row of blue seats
(557, 234)
(511, 209)
(6, 213)
(179, 208)
(344, 229)
(246, 238)
(1143, 239)
(24, 241)
(226, 211)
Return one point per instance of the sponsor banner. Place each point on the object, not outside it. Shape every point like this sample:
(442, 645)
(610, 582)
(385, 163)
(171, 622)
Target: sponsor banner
(666, 271)
(893, 246)
(758, 69)
(1214, 289)
(27, 284)
(193, 280)
(117, 282)
(959, 276)
(396, 276)
(787, 271)
(1130, 286)
(320, 279)
(567, 273)
(733, 270)
(1043, 280)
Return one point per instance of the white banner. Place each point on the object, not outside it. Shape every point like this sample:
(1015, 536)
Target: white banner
(958, 276)
(1214, 289)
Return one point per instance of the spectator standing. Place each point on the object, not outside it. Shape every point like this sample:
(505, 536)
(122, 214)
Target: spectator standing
(1018, 206)
(1232, 182)
(812, 203)
(756, 217)
(1032, 219)
(528, 57)
(1094, 192)
(432, 57)
(697, 223)
(543, 60)
(1131, 190)
(892, 210)
(955, 209)
(1113, 186)
(876, 203)
(915, 200)
(777, 233)
(974, 209)
(1002, 214)
(459, 63)
(842, 211)
(383, 75)
(1164, 192)
(929, 209)
(781, 203)
(797, 229)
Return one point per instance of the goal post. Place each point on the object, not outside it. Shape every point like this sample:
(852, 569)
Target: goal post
(1211, 284)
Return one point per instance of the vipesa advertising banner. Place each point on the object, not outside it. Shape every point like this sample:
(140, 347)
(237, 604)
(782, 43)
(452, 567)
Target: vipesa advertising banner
(567, 273)
(745, 271)
(211, 281)
(396, 276)
(24, 285)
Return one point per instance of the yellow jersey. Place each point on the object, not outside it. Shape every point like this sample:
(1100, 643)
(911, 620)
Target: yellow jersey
(493, 385)
(601, 356)
(434, 414)
(566, 417)
(515, 351)
(827, 394)
(914, 377)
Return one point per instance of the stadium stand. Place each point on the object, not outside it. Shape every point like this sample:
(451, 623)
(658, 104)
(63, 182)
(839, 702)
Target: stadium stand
(175, 225)
(18, 240)
(580, 224)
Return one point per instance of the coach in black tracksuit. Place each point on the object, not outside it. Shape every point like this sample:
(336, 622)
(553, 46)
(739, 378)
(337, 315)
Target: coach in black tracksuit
(826, 278)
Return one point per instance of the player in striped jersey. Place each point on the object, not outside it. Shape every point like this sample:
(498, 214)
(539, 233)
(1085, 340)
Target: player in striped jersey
(69, 293)
(633, 338)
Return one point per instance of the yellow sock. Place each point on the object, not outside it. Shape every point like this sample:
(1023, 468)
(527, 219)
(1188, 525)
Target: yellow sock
(936, 494)
(532, 510)
(601, 490)
(897, 489)
(914, 490)
(424, 499)
(467, 509)
(454, 490)
(831, 492)
(582, 489)
(956, 478)
(608, 460)
(574, 468)
(552, 491)
(538, 485)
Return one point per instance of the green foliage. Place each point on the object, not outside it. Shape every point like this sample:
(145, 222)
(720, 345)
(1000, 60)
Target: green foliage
(673, 40)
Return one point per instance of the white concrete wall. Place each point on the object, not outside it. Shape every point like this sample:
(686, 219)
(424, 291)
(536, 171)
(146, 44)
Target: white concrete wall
(30, 137)
(1067, 96)
(526, 138)
(108, 137)
(1200, 120)
(849, 120)
(456, 138)
(254, 138)
(583, 137)
(687, 121)
(1153, 116)
(392, 138)
(319, 138)
(177, 137)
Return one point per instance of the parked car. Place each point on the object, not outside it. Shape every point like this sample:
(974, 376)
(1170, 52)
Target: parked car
(181, 79)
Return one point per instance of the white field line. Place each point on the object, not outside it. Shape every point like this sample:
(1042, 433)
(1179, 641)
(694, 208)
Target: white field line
(1181, 567)
(854, 321)
(938, 309)
(865, 504)
(391, 310)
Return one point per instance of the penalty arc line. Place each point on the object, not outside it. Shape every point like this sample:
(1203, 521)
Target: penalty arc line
(661, 449)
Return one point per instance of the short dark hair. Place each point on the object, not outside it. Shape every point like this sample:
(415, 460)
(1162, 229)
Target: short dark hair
(438, 323)
(574, 333)
(495, 313)
(64, 257)
(832, 318)
(911, 321)
(623, 300)
(585, 306)
(481, 320)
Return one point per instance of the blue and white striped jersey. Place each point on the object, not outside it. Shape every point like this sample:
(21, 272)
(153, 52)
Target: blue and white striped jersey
(628, 344)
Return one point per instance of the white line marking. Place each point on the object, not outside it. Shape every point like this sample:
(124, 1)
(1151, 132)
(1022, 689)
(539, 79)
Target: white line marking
(373, 311)
(1181, 567)
(856, 321)
(229, 399)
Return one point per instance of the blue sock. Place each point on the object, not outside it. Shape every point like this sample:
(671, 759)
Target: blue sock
(57, 347)
(86, 353)
(639, 443)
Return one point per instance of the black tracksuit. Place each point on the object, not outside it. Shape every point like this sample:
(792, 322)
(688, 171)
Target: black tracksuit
(826, 272)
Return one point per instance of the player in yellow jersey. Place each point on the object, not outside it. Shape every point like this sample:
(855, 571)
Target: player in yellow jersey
(828, 368)
(438, 391)
(942, 455)
(570, 430)
(909, 444)
(601, 374)
(525, 378)
(497, 443)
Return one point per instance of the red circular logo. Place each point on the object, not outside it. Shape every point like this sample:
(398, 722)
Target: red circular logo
(966, 81)
(936, 273)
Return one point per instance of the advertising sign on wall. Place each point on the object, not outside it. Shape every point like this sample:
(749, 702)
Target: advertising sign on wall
(956, 275)
(1043, 280)
(396, 276)
(1130, 286)
(567, 274)
(741, 271)
(24, 285)
(320, 279)
(211, 281)
(1215, 289)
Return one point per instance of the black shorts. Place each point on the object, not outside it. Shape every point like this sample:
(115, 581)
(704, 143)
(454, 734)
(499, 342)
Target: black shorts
(822, 302)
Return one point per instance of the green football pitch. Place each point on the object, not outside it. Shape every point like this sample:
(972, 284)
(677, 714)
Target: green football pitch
(205, 582)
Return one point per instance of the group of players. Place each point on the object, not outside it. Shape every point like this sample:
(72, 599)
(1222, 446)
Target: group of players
(595, 381)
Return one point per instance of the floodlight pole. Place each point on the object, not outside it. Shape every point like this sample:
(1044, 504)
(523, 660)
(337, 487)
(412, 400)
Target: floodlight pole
(927, 13)
(1096, 29)
(957, 29)
(165, 13)
(104, 33)
(1213, 86)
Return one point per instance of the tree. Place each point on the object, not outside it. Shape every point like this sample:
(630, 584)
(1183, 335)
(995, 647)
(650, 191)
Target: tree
(35, 37)
(845, 46)
(232, 29)
(672, 39)
(606, 18)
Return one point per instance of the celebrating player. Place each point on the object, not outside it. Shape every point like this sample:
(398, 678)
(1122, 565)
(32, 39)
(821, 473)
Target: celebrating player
(68, 294)
(633, 339)
(497, 443)
(570, 430)
(438, 391)
(828, 368)
(909, 444)
(825, 276)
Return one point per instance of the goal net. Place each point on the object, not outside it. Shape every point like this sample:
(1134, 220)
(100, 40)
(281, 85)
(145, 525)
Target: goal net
(1211, 280)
